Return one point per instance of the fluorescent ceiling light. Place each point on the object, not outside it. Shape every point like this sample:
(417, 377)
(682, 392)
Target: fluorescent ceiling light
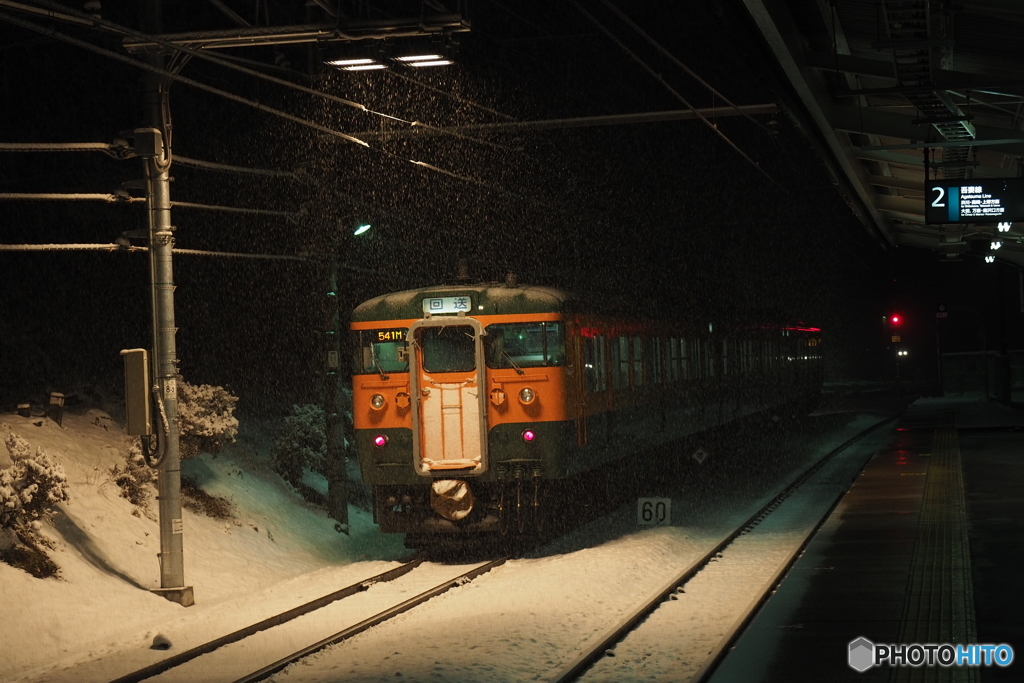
(361, 229)
(364, 67)
(418, 58)
(350, 62)
(432, 62)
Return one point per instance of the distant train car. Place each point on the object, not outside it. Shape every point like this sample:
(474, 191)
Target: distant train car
(476, 408)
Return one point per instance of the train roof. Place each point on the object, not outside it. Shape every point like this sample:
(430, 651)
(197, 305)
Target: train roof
(495, 298)
(488, 299)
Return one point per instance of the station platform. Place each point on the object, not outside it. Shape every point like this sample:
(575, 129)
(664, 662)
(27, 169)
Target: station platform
(926, 547)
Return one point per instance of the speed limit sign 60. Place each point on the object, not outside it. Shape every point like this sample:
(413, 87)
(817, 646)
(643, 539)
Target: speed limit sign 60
(653, 511)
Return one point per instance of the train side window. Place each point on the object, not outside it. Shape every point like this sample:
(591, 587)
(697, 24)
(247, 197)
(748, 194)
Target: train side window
(620, 362)
(662, 362)
(589, 369)
(638, 362)
(684, 368)
(654, 360)
(594, 364)
(624, 362)
(696, 360)
(673, 359)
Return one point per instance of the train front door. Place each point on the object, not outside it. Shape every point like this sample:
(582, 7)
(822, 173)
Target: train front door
(449, 412)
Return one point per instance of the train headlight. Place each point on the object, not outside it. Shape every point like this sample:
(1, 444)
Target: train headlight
(377, 402)
(527, 395)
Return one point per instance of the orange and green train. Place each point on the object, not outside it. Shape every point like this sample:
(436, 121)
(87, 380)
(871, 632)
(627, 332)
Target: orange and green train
(477, 407)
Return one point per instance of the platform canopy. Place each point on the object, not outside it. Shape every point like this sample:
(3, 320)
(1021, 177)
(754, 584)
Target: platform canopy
(897, 92)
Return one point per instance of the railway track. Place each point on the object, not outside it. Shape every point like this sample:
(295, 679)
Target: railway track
(599, 648)
(215, 655)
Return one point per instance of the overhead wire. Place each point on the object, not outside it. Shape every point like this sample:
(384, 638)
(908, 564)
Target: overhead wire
(672, 90)
(457, 98)
(228, 168)
(124, 151)
(675, 60)
(71, 197)
(116, 151)
(192, 52)
(129, 249)
(57, 35)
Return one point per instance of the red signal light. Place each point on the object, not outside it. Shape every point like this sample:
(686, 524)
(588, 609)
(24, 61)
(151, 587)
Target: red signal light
(895, 319)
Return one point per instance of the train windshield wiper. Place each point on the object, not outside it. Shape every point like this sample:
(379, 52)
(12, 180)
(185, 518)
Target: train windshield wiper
(512, 362)
(376, 363)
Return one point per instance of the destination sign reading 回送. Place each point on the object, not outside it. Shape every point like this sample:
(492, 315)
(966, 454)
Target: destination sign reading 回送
(988, 200)
(447, 304)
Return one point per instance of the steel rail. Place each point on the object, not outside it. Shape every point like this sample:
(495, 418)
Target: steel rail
(598, 646)
(370, 622)
(270, 622)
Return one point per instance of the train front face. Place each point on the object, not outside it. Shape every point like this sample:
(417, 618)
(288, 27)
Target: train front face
(461, 406)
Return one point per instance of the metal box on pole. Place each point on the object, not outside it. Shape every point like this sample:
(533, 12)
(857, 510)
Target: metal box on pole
(137, 413)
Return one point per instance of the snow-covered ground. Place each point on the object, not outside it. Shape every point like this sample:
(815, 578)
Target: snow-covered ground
(677, 638)
(527, 618)
(518, 622)
(275, 554)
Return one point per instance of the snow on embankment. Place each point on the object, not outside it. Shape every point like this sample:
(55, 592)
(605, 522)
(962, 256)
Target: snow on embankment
(101, 602)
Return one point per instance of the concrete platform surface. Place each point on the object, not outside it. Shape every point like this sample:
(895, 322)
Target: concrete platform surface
(926, 546)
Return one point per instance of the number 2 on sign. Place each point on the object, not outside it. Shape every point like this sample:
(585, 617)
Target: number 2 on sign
(653, 511)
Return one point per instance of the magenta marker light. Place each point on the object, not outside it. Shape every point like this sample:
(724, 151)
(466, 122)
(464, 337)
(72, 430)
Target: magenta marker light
(529, 436)
(380, 441)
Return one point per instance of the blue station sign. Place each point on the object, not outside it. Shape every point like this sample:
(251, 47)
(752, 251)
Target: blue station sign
(976, 200)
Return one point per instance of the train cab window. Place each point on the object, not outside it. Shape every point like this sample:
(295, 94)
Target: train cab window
(594, 364)
(638, 361)
(451, 348)
(525, 345)
(380, 351)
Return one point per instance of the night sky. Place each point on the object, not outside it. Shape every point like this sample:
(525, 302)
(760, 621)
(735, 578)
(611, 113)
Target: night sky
(662, 216)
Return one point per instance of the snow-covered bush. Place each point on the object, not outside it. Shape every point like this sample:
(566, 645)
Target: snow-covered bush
(31, 486)
(206, 418)
(136, 477)
(302, 444)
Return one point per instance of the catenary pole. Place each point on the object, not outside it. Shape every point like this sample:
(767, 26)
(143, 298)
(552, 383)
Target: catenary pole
(337, 498)
(153, 144)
